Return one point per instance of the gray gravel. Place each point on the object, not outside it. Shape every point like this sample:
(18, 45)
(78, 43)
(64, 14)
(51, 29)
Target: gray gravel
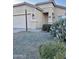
(25, 44)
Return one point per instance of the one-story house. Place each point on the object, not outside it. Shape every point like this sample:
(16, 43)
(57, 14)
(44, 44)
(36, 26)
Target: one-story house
(27, 16)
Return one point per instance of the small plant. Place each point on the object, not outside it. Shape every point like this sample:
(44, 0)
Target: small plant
(46, 27)
(52, 50)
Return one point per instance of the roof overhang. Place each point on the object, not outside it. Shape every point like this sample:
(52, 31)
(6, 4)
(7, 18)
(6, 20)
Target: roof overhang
(24, 3)
(36, 5)
(59, 6)
(53, 2)
(47, 2)
(28, 4)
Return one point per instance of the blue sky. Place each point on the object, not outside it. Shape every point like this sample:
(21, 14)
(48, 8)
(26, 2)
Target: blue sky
(59, 2)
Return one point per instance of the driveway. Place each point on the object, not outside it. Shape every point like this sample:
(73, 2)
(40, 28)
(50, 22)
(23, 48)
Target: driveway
(16, 30)
(25, 44)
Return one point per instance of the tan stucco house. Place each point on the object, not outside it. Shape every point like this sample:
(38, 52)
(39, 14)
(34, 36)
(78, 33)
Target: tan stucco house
(27, 16)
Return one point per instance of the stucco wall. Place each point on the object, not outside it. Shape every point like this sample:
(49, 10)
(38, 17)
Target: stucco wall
(47, 7)
(19, 10)
(41, 19)
(38, 18)
(59, 12)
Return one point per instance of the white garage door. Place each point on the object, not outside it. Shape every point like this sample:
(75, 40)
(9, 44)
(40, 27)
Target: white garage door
(19, 23)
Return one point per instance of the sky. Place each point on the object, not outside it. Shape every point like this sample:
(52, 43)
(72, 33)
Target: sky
(59, 2)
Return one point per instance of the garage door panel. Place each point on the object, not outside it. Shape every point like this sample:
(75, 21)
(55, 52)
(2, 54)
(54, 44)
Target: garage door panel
(19, 22)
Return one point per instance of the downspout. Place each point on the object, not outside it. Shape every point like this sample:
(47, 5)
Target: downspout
(26, 19)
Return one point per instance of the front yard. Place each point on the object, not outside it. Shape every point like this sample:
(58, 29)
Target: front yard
(25, 44)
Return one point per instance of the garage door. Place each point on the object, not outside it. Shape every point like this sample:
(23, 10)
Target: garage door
(19, 23)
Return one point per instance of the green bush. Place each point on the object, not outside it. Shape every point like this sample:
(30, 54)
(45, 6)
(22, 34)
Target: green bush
(54, 50)
(46, 27)
(58, 30)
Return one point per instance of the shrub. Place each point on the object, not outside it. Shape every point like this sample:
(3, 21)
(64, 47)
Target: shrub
(58, 30)
(46, 27)
(52, 50)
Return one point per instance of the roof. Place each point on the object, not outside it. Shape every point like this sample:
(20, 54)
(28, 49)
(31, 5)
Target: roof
(23, 3)
(28, 4)
(53, 2)
(41, 3)
(59, 6)
(47, 2)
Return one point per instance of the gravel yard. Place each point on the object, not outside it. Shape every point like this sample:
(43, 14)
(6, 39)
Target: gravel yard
(25, 44)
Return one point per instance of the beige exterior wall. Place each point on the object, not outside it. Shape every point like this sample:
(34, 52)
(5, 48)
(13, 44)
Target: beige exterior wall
(38, 18)
(59, 12)
(19, 10)
(47, 7)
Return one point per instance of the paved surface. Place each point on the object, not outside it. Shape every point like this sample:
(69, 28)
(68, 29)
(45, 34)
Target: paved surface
(26, 44)
(16, 30)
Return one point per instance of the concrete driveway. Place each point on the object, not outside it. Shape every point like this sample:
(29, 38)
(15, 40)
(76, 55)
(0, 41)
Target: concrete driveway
(26, 44)
(16, 30)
